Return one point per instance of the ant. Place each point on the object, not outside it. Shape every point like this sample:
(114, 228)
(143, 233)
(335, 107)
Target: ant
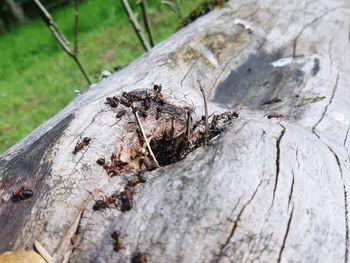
(157, 88)
(275, 115)
(140, 110)
(116, 166)
(73, 239)
(101, 161)
(81, 144)
(137, 179)
(126, 103)
(158, 96)
(159, 99)
(139, 258)
(127, 95)
(140, 136)
(21, 194)
(104, 203)
(147, 102)
(120, 114)
(126, 200)
(112, 101)
(118, 241)
(233, 114)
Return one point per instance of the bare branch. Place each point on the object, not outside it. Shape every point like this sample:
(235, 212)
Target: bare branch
(61, 39)
(145, 137)
(146, 21)
(206, 114)
(135, 25)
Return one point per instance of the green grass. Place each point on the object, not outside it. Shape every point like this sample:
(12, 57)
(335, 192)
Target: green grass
(37, 78)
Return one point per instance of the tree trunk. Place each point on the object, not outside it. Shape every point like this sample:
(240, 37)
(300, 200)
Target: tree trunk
(271, 188)
(16, 11)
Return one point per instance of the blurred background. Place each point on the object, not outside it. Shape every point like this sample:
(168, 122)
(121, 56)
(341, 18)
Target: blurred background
(37, 78)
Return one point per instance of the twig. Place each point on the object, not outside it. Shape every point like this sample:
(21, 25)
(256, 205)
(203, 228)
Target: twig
(42, 251)
(76, 26)
(170, 5)
(135, 25)
(206, 114)
(146, 21)
(144, 136)
(60, 38)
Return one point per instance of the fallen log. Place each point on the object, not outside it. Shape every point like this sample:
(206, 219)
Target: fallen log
(271, 186)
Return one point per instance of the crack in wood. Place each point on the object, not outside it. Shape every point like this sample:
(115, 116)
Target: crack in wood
(346, 136)
(235, 224)
(345, 193)
(329, 103)
(291, 190)
(285, 236)
(307, 25)
(278, 156)
(297, 158)
(188, 72)
(346, 212)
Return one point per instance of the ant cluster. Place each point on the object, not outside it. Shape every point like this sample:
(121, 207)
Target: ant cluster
(170, 135)
(123, 200)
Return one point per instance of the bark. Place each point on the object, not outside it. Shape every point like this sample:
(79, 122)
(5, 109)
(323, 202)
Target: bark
(271, 188)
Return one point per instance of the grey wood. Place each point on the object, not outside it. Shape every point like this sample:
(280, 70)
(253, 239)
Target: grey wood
(266, 190)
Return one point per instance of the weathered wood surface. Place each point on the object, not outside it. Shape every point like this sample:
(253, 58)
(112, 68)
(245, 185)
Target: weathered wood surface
(267, 190)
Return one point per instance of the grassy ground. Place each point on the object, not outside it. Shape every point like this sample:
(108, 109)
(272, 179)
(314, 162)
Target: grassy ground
(37, 78)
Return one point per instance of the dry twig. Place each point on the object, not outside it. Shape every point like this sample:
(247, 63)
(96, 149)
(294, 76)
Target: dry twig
(173, 7)
(60, 38)
(146, 21)
(206, 135)
(145, 137)
(135, 25)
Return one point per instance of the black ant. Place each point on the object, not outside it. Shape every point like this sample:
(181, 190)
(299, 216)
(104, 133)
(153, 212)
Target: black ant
(121, 113)
(21, 194)
(112, 101)
(275, 115)
(136, 179)
(157, 88)
(140, 110)
(101, 161)
(126, 200)
(147, 102)
(139, 258)
(104, 203)
(126, 103)
(81, 144)
(159, 99)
